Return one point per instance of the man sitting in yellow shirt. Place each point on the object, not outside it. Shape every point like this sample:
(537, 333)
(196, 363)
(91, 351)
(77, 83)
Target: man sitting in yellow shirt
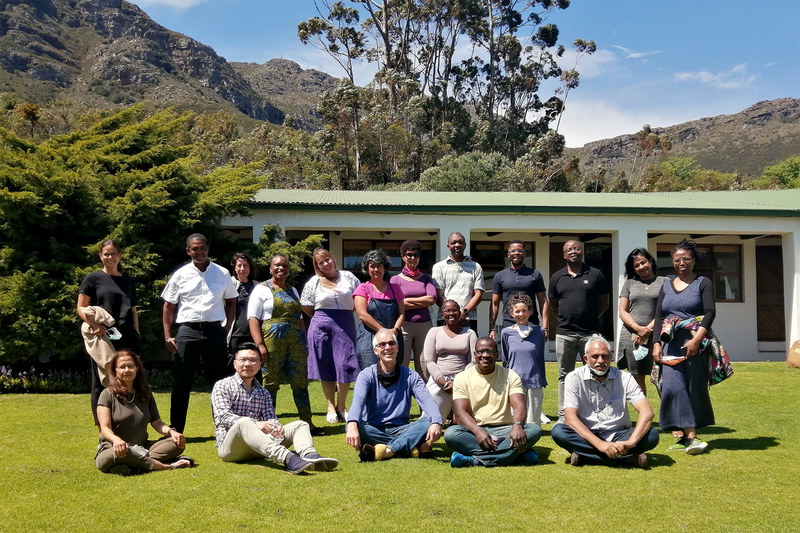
(489, 414)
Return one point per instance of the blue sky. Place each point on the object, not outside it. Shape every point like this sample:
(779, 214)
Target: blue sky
(658, 62)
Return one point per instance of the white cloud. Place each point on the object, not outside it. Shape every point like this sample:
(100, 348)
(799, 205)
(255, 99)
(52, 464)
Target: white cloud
(633, 54)
(176, 4)
(734, 78)
(585, 120)
(589, 66)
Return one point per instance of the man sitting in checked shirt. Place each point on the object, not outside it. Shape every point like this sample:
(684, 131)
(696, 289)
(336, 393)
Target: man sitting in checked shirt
(246, 425)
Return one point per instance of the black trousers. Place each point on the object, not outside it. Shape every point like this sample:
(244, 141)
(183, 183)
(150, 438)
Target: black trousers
(194, 342)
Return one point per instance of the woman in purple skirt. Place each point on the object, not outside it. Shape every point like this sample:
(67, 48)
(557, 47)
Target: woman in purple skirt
(328, 299)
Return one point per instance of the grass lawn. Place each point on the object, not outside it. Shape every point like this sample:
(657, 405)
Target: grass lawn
(747, 480)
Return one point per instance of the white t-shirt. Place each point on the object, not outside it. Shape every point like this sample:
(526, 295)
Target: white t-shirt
(601, 405)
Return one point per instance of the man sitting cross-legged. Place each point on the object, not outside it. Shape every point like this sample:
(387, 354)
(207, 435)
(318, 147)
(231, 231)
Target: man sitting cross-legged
(379, 423)
(246, 425)
(489, 414)
(596, 425)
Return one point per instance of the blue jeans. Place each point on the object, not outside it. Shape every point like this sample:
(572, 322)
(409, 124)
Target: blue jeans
(568, 438)
(401, 439)
(463, 441)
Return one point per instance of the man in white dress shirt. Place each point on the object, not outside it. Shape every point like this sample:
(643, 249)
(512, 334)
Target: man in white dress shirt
(203, 294)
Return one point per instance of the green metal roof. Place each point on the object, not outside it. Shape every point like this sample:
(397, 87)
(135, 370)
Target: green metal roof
(771, 203)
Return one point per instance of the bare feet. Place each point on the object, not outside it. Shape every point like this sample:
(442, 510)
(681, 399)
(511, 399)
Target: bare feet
(181, 463)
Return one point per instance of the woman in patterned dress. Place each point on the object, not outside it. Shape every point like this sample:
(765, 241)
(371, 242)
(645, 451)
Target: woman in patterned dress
(276, 325)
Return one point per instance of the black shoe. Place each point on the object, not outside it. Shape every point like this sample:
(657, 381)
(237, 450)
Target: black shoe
(367, 453)
(321, 464)
(296, 464)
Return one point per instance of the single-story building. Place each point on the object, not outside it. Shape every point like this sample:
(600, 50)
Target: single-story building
(749, 242)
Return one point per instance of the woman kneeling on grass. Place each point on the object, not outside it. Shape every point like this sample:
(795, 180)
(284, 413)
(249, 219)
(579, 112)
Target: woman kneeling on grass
(124, 410)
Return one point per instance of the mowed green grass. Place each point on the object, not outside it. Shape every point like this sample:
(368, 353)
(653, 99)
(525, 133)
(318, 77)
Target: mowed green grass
(747, 481)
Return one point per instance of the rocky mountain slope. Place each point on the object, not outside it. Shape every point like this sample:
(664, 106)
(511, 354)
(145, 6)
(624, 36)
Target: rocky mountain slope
(101, 53)
(745, 142)
(104, 52)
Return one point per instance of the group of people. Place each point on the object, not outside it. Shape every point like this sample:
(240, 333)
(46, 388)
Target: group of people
(494, 412)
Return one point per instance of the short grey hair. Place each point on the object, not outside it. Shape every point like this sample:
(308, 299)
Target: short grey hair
(382, 331)
(597, 338)
(376, 256)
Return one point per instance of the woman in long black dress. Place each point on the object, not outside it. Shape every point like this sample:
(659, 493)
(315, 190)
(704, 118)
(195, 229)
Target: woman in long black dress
(114, 291)
(244, 273)
(687, 304)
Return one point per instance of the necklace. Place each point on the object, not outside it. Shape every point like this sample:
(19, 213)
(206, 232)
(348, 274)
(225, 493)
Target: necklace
(132, 397)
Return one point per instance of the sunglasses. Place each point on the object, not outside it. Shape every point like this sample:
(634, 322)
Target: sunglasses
(386, 343)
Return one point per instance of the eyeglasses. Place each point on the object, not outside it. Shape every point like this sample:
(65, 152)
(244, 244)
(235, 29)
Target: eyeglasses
(486, 352)
(411, 255)
(386, 343)
(249, 361)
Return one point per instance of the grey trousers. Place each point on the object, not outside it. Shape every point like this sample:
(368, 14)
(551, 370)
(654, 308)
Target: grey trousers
(568, 348)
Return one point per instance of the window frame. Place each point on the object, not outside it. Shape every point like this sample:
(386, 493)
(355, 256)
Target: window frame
(706, 265)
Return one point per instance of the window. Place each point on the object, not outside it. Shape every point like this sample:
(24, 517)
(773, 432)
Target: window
(721, 263)
(353, 251)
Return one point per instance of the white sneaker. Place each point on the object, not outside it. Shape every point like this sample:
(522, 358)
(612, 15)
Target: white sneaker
(696, 446)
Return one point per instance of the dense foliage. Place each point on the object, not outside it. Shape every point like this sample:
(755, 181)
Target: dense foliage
(130, 177)
(451, 76)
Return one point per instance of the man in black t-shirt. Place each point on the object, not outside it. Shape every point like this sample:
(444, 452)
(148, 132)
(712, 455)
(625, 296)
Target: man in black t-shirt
(578, 295)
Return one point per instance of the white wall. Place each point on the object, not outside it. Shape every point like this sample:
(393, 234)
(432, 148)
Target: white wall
(735, 324)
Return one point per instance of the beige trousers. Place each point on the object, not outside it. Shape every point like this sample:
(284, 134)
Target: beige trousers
(245, 441)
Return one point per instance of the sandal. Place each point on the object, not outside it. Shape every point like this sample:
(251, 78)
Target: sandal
(332, 418)
(189, 462)
(317, 432)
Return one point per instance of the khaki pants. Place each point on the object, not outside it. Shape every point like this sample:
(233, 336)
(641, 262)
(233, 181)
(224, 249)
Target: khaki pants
(245, 441)
(162, 450)
(413, 341)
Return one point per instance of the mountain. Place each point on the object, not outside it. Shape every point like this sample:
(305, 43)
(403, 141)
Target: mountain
(104, 53)
(109, 52)
(745, 142)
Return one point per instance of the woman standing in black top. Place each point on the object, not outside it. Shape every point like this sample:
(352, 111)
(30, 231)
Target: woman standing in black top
(244, 273)
(112, 290)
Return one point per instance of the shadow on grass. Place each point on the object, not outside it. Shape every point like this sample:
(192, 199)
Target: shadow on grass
(199, 440)
(752, 444)
(716, 430)
(657, 460)
(711, 430)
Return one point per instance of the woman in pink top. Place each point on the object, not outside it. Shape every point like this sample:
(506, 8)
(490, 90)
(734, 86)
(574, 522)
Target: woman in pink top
(378, 305)
(419, 292)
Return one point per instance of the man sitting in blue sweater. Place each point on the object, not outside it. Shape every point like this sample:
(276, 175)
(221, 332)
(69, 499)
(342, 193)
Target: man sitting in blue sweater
(378, 424)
